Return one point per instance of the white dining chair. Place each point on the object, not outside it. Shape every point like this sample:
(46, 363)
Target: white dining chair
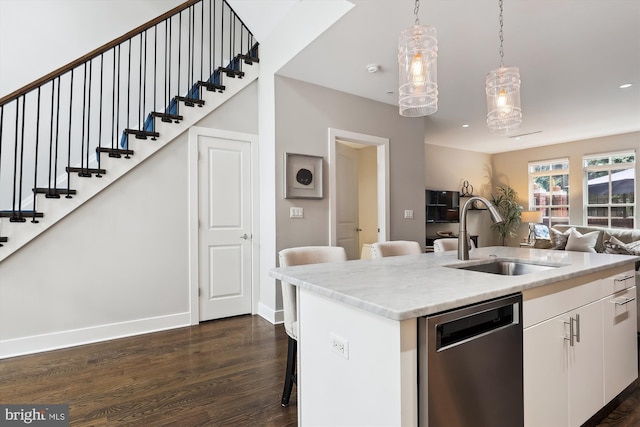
(291, 257)
(448, 244)
(395, 248)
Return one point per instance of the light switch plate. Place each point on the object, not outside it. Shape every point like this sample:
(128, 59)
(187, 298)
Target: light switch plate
(408, 214)
(296, 212)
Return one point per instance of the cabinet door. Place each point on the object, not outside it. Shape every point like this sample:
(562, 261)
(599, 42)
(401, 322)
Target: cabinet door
(545, 361)
(586, 395)
(620, 349)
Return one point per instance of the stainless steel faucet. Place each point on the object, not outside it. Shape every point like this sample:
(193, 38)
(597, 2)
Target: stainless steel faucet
(463, 238)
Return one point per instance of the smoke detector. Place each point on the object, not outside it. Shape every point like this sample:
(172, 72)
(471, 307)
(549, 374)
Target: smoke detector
(373, 68)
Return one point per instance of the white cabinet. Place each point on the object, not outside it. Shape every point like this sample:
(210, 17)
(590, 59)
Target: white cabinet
(562, 374)
(580, 350)
(620, 349)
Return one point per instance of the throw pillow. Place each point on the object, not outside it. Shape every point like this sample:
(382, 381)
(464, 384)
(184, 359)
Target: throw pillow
(543, 244)
(582, 242)
(559, 239)
(615, 246)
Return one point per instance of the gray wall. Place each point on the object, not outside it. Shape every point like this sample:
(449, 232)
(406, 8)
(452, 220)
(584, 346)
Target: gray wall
(304, 113)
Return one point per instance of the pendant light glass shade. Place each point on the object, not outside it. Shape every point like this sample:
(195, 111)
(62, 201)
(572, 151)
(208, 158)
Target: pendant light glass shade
(503, 99)
(417, 62)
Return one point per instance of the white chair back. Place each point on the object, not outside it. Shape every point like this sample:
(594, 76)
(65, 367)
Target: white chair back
(395, 248)
(448, 244)
(301, 256)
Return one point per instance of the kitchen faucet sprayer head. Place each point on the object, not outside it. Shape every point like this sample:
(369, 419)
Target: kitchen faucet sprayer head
(495, 215)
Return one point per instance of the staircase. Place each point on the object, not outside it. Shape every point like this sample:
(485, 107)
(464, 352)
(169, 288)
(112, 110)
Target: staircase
(67, 136)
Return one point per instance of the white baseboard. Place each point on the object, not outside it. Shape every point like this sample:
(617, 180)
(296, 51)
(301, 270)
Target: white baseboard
(75, 337)
(273, 316)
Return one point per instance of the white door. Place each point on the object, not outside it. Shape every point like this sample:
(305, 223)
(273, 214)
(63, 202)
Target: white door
(224, 235)
(347, 201)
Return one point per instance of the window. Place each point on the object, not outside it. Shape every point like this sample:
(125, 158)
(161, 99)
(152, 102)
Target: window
(609, 189)
(549, 190)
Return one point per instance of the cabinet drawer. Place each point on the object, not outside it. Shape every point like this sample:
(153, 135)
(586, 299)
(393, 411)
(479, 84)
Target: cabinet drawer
(620, 349)
(620, 281)
(539, 309)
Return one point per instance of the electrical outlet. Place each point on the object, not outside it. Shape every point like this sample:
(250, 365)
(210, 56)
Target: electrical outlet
(339, 345)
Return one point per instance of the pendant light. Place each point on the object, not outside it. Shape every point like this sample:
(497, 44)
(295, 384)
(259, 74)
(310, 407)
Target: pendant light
(417, 62)
(503, 94)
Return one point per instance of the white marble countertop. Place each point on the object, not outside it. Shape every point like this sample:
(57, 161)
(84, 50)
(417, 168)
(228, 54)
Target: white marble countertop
(406, 287)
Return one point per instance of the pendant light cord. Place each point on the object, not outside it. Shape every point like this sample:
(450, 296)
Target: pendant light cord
(501, 37)
(416, 8)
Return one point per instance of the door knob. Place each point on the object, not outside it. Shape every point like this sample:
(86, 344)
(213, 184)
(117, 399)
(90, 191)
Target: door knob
(244, 236)
(358, 229)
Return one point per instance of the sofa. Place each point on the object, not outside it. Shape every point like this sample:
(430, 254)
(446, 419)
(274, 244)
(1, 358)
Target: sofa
(603, 240)
(622, 241)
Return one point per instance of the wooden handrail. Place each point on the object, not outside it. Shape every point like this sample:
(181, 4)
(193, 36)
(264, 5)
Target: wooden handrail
(96, 52)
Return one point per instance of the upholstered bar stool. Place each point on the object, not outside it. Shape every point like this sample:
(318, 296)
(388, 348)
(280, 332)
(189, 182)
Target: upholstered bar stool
(395, 248)
(448, 244)
(299, 256)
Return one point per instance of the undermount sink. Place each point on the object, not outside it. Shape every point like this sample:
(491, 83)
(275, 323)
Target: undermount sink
(507, 268)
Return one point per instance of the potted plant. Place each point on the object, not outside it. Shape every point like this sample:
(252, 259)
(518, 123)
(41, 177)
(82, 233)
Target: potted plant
(506, 201)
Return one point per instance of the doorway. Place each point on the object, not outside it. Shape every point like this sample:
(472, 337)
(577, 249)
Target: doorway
(359, 212)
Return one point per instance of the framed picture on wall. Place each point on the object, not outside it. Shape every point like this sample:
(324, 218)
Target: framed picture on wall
(302, 176)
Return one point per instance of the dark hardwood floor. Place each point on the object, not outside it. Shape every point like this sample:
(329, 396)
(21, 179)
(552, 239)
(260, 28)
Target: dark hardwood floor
(225, 372)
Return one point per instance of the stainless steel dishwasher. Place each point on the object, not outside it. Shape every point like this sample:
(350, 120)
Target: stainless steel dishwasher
(470, 366)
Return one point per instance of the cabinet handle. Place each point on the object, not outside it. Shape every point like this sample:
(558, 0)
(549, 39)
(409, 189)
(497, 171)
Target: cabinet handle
(622, 279)
(624, 301)
(571, 334)
(574, 331)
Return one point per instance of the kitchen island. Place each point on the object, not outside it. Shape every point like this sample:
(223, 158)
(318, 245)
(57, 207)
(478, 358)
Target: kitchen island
(358, 346)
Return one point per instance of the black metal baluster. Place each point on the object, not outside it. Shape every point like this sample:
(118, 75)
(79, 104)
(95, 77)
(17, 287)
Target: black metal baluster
(83, 171)
(179, 50)
(166, 69)
(212, 39)
(202, 42)
(55, 163)
(100, 110)
(89, 171)
(14, 216)
(53, 94)
(22, 125)
(128, 90)
(118, 99)
(68, 196)
(113, 104)
(35, 172)
(140, 120)
(155, 72)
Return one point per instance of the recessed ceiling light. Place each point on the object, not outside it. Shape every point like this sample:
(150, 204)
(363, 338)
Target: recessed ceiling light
(626, 85)
(465, 126)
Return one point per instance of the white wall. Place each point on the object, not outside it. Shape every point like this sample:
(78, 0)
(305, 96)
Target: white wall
(53, 33)
(118, 265)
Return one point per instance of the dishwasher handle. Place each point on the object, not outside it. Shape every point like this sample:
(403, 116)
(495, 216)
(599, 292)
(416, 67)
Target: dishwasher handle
(474, 325)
